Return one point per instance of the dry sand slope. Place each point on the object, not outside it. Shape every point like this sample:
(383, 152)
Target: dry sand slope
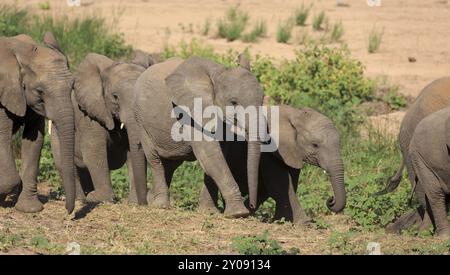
(419, 29)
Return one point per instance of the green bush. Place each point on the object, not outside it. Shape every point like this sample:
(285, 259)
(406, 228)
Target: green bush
(318, 21)
(301, 14)
(284, 31)
(260, 245)
(77, 37)
(258, 31)
(233, 24)
(327, 79)
(374, 41)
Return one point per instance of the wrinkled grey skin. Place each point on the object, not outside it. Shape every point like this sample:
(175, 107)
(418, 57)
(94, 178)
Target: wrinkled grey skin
(177, 82)
(305, 136)
(35, 83)
(435, 96)
(430, 158)
(102, 100)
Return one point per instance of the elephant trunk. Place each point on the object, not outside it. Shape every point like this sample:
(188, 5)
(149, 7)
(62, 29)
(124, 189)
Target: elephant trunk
(337, 203)
(253, 157)
(138, 162)
(64, 123)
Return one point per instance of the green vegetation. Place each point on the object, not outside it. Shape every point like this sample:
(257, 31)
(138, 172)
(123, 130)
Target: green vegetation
(233, 24)
(375, 38)
(318, 21)
(337, 31)
(77, 37)
(259, 30)
(206, 27)
(44, 5)
(301, 14)
(342, 243)
(260, 245)
(284, 31)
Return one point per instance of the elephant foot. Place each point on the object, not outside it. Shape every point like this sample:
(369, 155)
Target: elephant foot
(236, 210)
(159, 201)
(303, 221)
(443, 233)
(98, 196)
(406, 221)
(29, 204)
(132, 199)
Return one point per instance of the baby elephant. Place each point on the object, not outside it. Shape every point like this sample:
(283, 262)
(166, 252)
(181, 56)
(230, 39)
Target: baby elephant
(430, 157)
(304, 136)
(101, 99)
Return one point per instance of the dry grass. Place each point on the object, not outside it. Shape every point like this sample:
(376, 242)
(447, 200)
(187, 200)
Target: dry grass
(129, 229)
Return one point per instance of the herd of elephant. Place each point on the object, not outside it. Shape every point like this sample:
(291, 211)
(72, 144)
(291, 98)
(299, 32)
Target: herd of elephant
(109, 113)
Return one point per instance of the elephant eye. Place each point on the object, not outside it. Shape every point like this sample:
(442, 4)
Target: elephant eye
(315, 145)
(115, 97)
(233, 102)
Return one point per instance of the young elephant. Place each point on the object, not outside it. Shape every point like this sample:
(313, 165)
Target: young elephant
(181, 83)
(102, 99)
(430, 158)
(435, 96)
(304, 136)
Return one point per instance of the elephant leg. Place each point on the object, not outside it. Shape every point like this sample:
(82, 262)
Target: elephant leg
(158, 197)
(32, 142)
(132, 196)
(209, 196)
(95, 158)
(212, 160)
(9, 177)
(434, 195)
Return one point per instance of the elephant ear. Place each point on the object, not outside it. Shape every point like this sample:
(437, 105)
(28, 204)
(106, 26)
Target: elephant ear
(88, 88)
(289, 147)
(193, 79)
(12, 96)
(51, 42)
(244, 62)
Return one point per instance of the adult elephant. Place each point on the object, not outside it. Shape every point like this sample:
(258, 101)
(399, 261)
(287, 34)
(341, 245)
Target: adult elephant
(434, 97)
(35, 83)
(305, 136)
(178, 83)
(102, 102)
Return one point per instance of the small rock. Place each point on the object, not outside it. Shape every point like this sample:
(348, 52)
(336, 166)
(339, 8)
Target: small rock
(73, 248)
(374, 248)
(412, 59)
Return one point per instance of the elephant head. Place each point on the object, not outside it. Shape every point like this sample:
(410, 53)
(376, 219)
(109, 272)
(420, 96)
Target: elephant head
(104, 90)
(308, 136)
(216, 85)
(38, 77)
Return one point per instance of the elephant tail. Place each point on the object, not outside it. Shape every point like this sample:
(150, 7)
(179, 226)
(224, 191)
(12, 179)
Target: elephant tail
(394, 181)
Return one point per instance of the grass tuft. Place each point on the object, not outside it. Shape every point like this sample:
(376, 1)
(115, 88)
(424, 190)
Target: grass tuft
(284, 31)
(318, 21)
(233, 24)
(301, 14)
(374, 41)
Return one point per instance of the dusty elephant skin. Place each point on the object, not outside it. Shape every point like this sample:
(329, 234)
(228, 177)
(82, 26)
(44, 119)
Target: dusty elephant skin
(435, 96)
(305, 136)
(430, 160)
(178, 82)
(102, 99)
(35, 83)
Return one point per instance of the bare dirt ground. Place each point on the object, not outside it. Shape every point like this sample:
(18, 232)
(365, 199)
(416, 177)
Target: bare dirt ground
(419, 29)
(129, 229)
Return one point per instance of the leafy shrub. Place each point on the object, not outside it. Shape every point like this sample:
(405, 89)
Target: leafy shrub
(342, 242)
(233, 24)
(337, 31)
(327, 79)
(318, 21)
(284, 31)
(395, 100)
(77, 37)
(260, 245)
(375, 37)
(301, 14)
(259, 30)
